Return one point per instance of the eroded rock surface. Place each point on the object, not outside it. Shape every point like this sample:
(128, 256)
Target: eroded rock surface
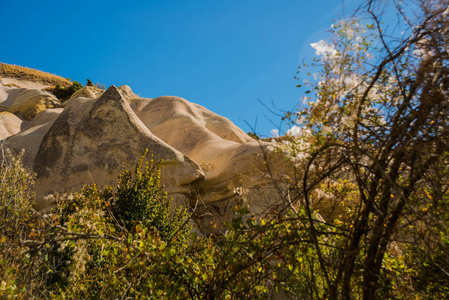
(92, 139)
(31, 136)
(10, 124)
(235, 165)
(26, 103)
(209, 162)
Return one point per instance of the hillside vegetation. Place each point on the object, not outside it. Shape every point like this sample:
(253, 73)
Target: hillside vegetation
(28, 74)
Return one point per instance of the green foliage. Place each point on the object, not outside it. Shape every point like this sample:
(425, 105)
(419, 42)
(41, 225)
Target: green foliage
(16, 195)
(140, 199)
(64, 94)
(89, 82)
(19, 229)
(82, 250)
(92, 247)
(125, 233)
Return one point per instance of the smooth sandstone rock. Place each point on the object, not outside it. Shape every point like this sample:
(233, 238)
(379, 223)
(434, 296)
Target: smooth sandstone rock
(31, 136)
(91, 141)
(10, 125)
(235, 165)
(26, 103)
(208, 161)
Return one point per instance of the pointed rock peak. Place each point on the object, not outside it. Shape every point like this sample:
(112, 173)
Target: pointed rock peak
(112, 93)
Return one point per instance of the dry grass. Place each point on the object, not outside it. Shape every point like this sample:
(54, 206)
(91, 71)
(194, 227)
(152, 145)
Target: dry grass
(11, 85)
(23, 73)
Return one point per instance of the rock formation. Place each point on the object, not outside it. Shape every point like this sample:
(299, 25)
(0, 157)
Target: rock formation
(234, 163)
(10, 124)
(90, 141)
(26, 103)
(209, 162)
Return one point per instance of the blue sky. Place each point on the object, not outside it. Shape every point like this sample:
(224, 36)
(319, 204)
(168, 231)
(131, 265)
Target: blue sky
(224, 55)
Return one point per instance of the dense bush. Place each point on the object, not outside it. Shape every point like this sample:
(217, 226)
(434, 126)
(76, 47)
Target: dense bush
(17, 227)
(64, 94)
(93, 246)
(140, 199)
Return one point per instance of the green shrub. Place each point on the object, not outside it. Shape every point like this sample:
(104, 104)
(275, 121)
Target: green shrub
(117, 241)
(64, 94)
(20, 231)
(93, 245)
(16, 195)
(141, 199)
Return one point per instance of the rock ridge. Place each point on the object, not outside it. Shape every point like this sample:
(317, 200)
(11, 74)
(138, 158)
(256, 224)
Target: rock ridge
(209, 163)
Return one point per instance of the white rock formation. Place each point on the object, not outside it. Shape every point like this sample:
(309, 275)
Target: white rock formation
(91, 141)
(208, 161)
(26, 103)
(10, 124)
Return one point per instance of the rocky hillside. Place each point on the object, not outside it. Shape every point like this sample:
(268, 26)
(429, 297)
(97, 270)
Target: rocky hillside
(21, 77)
(209, 163)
